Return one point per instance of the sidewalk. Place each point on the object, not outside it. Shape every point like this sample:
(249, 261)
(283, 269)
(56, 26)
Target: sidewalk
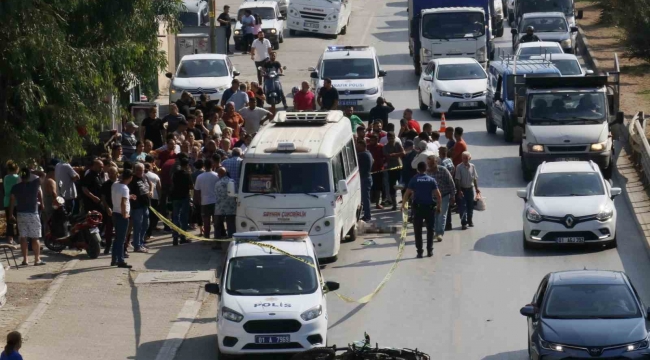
(100, 313)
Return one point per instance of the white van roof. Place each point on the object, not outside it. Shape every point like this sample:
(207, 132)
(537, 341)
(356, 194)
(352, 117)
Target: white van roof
(248, 4)
(302, 135)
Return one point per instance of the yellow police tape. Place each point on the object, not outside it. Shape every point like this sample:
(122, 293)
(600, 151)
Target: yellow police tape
(363, 300)
(384, 170)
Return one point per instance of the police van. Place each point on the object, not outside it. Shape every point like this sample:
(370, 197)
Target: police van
(270, 302)
(300, 173)
(356, 74)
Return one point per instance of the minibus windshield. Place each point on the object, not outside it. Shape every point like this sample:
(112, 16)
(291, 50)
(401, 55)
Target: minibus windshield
(286, 178)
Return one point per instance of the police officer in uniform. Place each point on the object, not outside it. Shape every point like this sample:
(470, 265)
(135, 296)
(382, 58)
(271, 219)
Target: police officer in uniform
(530, 36)
(423, 188)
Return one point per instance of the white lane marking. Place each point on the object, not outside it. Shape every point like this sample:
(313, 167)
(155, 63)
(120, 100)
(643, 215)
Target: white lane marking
(179, 330)
(47, 299)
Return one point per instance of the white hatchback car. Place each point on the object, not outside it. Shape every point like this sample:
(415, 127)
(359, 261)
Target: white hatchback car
(568, 64)
(211, 74)
(526, 50)
(270, 302)
(569, 202)
(3, 286)
(452, 85)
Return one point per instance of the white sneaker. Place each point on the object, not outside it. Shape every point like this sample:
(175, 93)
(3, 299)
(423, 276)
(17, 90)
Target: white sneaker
(439, 238)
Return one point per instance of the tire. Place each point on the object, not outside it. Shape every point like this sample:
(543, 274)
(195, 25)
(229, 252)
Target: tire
(500, 33)
(352, 234)
(344, 30)
(423, 106)
(527, 174)
(508, 133)
(315, 354)
(281, 39)
(237, 46)
(276, 46)
(417, 65)
(511, 18)
(609, 171)
(431, 108)
(490, 126)
(56, 246)
(293, 32)
(94, 246)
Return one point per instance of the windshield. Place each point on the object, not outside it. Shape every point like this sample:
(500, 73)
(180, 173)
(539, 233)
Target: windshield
(539, 50)
(343, 69)
(566, 108)
(189, 18)
(266, 13)
(569, 184)
(460, 72)
(549, 24)
(270, 275)
(568, 67)
(286, 178)
(606, 301)
(202, 68)
(528, 6)
(453, 25)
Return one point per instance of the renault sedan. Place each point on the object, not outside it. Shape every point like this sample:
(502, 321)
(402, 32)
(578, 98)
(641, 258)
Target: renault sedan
(587, 314)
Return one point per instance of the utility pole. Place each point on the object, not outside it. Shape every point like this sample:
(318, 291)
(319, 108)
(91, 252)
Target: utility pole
(213, 35)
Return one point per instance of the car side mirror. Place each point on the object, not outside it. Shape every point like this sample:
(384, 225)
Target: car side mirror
(331, 286)
(615, 192)
(236, 73)
(311, 68)
(513, 31)
(169, 75)
(231, 189)
(497, 97)
(213, 289)
(382, 73)
(574, 29)
(580, 14)
(528, 311)
(427, 78)
(314, 75)
(343, 187)
(523, 194)
(589, 72)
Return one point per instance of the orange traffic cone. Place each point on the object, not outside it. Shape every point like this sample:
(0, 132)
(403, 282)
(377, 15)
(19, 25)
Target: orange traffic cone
(443, 123)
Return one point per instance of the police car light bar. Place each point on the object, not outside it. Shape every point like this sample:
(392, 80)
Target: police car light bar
(347, 47)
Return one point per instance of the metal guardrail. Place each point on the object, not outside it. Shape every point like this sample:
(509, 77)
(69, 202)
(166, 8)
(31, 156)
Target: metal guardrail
(638, 145)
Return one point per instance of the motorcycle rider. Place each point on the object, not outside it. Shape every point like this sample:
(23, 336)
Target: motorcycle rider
(530, 36)
(272, 64)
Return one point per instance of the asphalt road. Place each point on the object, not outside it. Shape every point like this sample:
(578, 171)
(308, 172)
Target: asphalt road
(464, 302)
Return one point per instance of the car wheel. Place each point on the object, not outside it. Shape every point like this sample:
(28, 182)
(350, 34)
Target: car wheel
(281, 39)
(292, 32)
(432, 108)
(352, 234)
(344, 30)
(276, 46)
(237, 46)
(609, 171)
(490, 126)
(423, 106)
(508, 133)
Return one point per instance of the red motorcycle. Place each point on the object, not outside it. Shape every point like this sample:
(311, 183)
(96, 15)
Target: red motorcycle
(80, 232)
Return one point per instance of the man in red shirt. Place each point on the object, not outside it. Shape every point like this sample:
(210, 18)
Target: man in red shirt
(377, 151)
(411, 123)
(459, 147)
(377, 130)
(304, 99)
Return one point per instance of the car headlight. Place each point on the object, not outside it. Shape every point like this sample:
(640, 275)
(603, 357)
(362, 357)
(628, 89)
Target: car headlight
(322, 226)
(372, 91)
(549, 345)
(273, 31)
(599, 147)
(312, 313)
(535, 148)
(237, 32)
(605, 213)
(426, 52)
(222, 88)
(231, 314)
(331, 17)
(640, 345)
(566, 43)
(532, 215)
(443, 93)
(480, 53)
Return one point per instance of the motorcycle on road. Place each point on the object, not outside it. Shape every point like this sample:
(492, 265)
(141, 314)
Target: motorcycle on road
(80, 232)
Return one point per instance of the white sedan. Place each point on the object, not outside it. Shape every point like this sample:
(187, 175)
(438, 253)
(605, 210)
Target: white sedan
(540, 48)
(209, 74)
(568, 64)
(452, 85)
(569, 202)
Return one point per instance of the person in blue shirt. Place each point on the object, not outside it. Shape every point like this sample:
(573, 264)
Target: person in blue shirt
(365, 164)
(423, 188)
(14, 342)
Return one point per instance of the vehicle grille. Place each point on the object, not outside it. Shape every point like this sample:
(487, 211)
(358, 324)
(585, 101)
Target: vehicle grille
(292, 345)
(312, 15)
(581, 148)
(272, 326)
(296, 116)
(352, 92)
(552, 236)
(462, 96)
(283, 226)
(198, 91)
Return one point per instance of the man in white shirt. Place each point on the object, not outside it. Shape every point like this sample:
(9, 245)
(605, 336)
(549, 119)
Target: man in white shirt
(155, 180)
(254, 117)
(423, 154)
(260, 53)
(204, 188)
(65, 177)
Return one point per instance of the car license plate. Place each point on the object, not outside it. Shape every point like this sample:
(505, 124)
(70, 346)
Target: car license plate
(312, 24)
(349, 102)
(568, 159)
(272, 339)
(468, 104)
(570, 240)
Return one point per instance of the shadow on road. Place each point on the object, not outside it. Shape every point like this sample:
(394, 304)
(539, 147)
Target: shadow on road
(510, 244)
(482, 138)
(397, 4)
(510, 355)
(392, 36)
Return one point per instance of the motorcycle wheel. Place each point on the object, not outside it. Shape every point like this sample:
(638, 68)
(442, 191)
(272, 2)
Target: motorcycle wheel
(315, 354)
(52, 244)
(94, 246)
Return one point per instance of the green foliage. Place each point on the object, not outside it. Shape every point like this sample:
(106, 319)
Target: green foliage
(59, 59)
(634, 19)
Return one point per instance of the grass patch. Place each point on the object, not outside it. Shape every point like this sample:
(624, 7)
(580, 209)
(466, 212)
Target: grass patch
(636, 70)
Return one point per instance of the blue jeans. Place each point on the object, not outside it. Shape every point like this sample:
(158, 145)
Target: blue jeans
(466, 206)
(180, 216)
(140, 219)
(386, 189)
(121, 226)
(366, 186)
(441, 218)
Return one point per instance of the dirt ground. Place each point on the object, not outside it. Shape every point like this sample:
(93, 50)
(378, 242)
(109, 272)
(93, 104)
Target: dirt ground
(21, 299)
(604, 41)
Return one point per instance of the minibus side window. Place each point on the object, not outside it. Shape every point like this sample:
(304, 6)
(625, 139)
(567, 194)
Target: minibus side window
(338, 170)
(351, 157)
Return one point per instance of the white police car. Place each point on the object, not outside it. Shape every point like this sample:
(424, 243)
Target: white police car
(270, 302)
(356, 74)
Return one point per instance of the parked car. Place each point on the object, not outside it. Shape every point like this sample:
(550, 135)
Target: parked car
(568, 64)
(526, 50)
(587, 314)
(549, 26)
(272, 22)
(211, 74)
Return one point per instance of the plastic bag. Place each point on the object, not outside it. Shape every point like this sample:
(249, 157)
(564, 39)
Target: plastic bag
(480, 203)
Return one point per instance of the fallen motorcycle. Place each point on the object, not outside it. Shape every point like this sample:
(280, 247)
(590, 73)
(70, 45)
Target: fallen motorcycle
(360, 350)
(80, 232)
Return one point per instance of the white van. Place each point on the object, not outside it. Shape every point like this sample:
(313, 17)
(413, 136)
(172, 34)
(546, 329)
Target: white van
(300, 173)
(328, 17)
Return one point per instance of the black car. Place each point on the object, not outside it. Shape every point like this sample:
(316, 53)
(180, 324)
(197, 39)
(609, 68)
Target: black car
(587, 314)
(550, 26)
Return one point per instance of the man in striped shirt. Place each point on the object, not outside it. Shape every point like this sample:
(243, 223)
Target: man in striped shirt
(447, 191)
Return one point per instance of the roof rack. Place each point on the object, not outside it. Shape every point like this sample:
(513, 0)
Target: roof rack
(307, 117)
(347, 47)
(546, 82)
